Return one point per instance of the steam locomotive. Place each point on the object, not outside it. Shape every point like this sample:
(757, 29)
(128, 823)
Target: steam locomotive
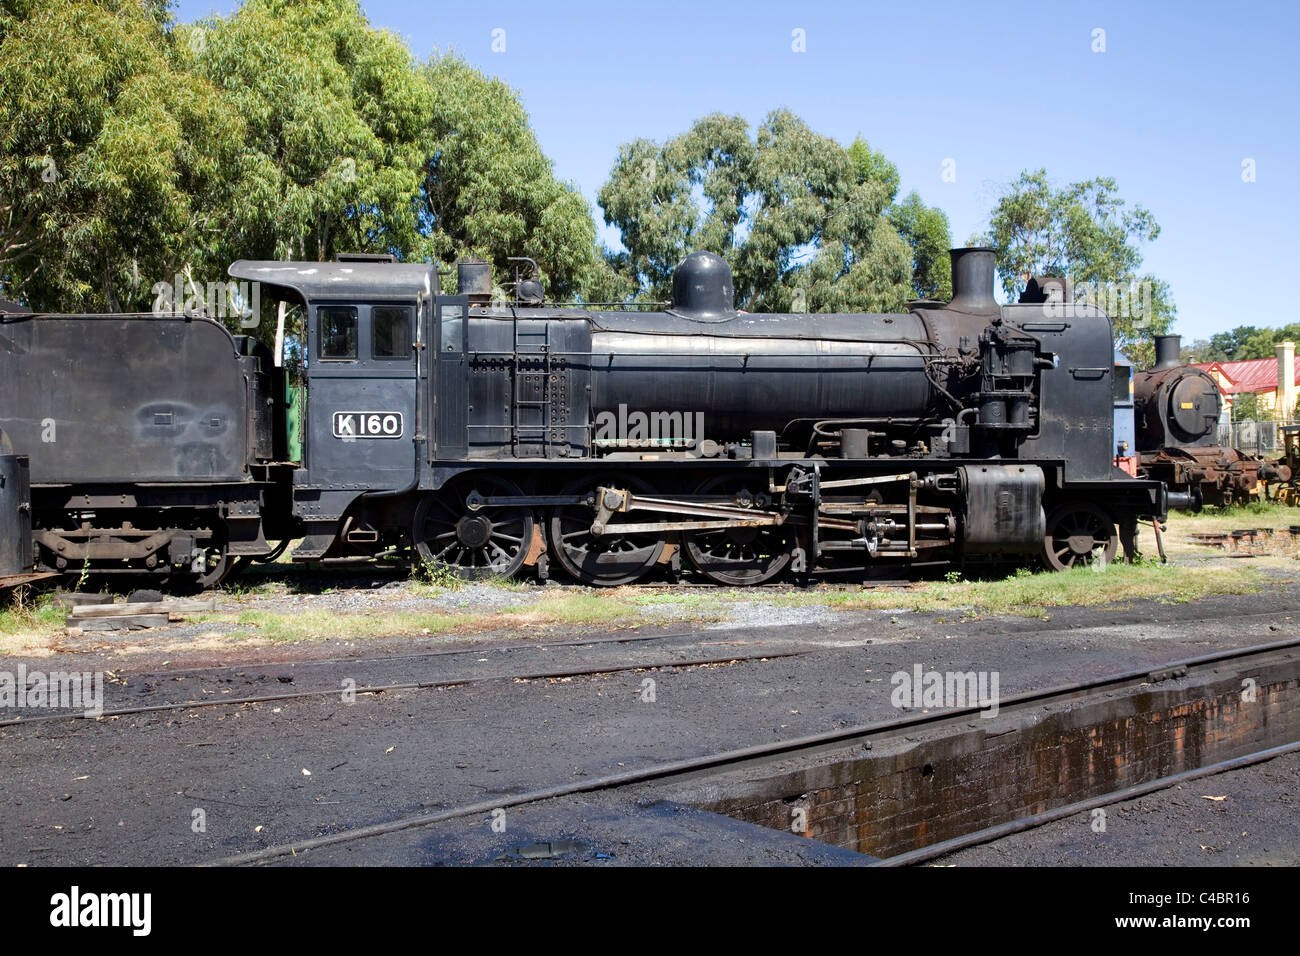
(1177, 409)
(493, 435)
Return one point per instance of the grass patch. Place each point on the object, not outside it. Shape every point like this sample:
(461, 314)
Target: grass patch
(1030, 594)
(1256, 512)
(688, 600)
(565, 608)
(429, 579)
(251, 585)
(329, 625)
(432, 580)
(23, 617)
(601, 607)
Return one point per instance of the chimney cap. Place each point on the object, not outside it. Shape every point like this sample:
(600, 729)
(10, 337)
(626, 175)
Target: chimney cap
(973, 269)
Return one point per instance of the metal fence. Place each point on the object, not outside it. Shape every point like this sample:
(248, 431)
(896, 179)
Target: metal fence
(1258, 438)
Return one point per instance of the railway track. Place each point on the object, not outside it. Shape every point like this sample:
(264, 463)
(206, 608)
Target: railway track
(445, 683)
(685, 771)
(252, 672)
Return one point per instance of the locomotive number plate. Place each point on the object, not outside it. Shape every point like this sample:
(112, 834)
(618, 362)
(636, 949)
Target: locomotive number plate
(348, 425)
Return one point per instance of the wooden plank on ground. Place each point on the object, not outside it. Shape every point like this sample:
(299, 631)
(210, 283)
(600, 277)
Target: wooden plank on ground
(18, 580)
(152, 607)
(125, 622)
(68, 600)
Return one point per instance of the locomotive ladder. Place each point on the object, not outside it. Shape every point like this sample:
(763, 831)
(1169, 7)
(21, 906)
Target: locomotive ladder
(519, 384)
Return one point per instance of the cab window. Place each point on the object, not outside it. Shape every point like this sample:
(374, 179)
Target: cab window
(338, 332)
(391, 332)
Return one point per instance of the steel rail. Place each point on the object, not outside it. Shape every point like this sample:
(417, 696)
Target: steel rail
(410, 685)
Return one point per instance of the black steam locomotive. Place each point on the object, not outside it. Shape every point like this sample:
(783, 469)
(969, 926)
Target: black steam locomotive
(488, 435)
(1177, 409)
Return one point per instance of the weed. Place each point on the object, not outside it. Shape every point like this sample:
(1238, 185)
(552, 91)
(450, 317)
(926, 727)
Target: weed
(437, 578)
(26, 615)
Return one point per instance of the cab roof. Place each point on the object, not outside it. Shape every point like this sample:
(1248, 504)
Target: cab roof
(307, 281)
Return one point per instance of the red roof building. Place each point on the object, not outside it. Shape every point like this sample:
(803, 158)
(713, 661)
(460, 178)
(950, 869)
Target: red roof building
(1254, 376)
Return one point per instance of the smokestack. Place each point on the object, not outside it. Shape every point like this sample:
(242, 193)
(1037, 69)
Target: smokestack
(1169, 351)
(1284, 409)
(972, 280)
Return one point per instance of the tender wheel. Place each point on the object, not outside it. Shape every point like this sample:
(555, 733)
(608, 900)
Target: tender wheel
(739, 556)
(1075, 534)
(474, 544)
(608, 559)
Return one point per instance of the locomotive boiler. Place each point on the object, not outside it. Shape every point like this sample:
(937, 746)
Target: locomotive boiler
(490, 434)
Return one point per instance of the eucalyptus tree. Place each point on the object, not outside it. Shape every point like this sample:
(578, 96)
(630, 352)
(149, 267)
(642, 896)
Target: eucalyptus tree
(1086, 232)
(801, 220)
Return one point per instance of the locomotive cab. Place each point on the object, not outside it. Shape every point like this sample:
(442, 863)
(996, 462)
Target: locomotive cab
(363, 354)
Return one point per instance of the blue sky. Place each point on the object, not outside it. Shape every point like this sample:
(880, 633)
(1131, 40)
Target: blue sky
(1182, 95)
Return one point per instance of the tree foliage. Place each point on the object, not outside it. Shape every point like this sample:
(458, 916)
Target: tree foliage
(1086, 232)
(489, 191)
(335, 111)
(926, 231)
(800, 218)
(1240, 344)
(116, 159)
(290, 129)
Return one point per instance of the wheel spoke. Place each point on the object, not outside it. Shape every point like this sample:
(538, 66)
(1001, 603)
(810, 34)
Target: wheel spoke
(610, 558)
(472, 543)
(1074, 535)
(738, 556)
